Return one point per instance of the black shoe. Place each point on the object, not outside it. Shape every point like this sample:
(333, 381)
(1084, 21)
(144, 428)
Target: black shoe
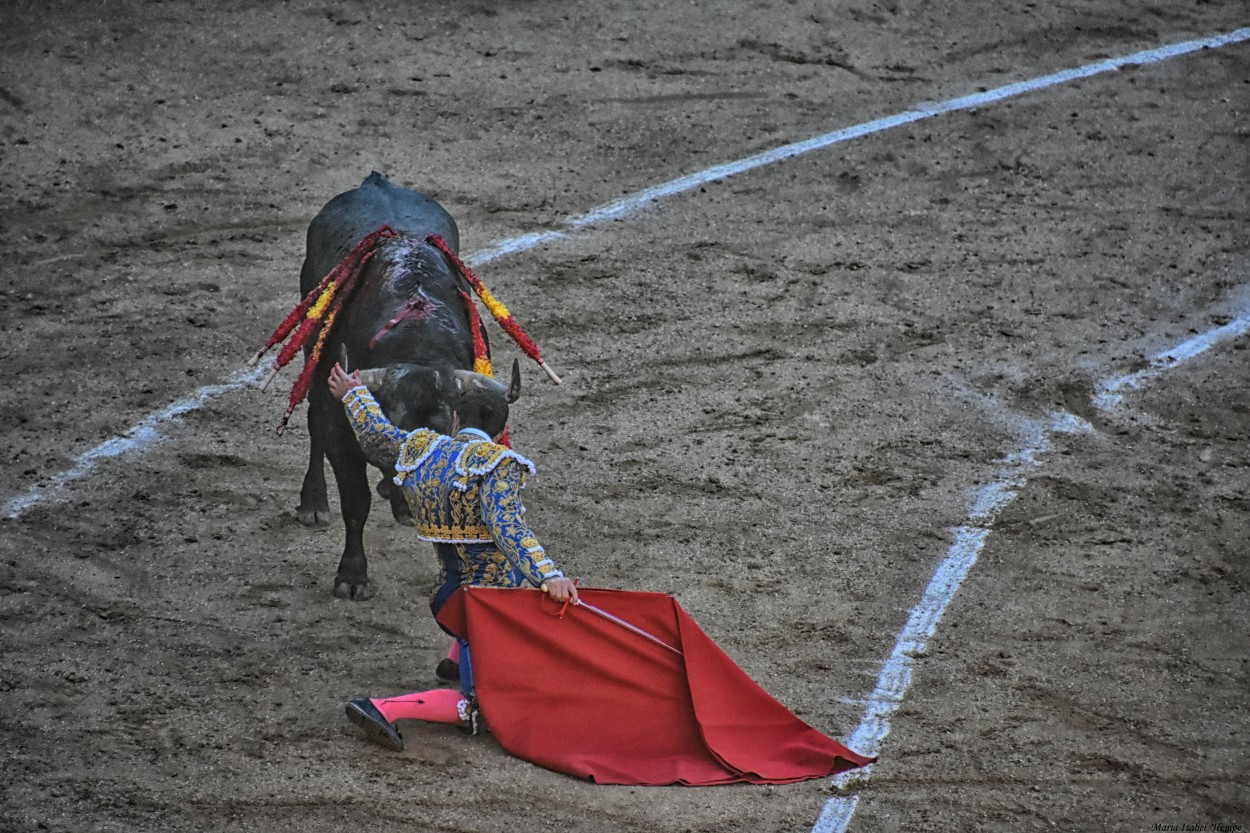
(448, 671)
(377, 728)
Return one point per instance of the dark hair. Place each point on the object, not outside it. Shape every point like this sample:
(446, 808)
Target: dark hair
(484, 410)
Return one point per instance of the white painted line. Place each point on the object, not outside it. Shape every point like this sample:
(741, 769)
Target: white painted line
(514, 245)
(644, 199)
(913, 639)
(140, 435)
(628, 205)
(1110, 393)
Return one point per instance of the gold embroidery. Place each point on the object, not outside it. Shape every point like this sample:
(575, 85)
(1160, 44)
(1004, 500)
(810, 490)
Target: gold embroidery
(467, 494)
(454, 534)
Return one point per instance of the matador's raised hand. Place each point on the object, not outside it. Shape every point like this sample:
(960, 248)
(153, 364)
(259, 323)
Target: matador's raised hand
(341, 381)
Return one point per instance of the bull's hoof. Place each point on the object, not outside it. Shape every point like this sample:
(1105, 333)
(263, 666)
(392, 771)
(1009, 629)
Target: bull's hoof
(319, 518)
(356, 591)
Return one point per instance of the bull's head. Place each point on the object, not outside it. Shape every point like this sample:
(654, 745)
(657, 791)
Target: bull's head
(413, 395)
(418, 396)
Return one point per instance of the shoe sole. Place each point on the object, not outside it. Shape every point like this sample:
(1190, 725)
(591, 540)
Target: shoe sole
(377, 732)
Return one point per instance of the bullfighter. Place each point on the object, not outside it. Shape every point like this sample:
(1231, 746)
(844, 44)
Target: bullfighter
(465, 495)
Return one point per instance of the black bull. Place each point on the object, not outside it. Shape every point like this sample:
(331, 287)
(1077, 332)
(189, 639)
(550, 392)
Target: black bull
(408, 322)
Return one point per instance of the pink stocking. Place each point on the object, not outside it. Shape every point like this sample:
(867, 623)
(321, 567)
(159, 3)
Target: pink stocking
(453, 653)
(441, 705)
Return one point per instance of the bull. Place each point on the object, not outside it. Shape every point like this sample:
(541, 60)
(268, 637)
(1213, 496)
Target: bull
(408, 324)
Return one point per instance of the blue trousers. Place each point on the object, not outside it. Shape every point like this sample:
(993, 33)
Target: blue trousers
(451, 583)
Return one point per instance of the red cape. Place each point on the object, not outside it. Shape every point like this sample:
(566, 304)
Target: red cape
(585, 696)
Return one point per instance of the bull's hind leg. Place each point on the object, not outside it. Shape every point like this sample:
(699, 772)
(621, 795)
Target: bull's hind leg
(388, 491)
(314, 506)
(352, 579)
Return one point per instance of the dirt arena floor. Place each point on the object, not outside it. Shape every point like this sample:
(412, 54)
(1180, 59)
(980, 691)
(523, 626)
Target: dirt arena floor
(782, 392)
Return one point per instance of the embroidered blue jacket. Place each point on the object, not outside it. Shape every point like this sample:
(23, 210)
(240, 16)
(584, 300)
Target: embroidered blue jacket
(463, 490)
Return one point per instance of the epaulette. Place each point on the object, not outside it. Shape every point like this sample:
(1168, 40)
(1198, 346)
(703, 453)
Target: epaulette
(481, 458)
(417, 448)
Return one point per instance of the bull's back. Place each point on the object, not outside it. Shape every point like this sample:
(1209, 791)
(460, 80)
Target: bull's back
(349, 217)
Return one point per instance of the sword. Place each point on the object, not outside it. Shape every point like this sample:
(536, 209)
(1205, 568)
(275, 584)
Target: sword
(627, 626)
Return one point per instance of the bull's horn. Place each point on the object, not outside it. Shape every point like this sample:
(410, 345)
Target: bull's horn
(514, 387)
(347, 368)
(373, 377)
(467, 380)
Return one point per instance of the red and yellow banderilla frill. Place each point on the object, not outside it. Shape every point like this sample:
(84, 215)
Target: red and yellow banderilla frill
(315, 314)
(497, 310)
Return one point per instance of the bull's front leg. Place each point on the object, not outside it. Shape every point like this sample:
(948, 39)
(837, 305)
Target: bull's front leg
(352, 579)
(314, 505)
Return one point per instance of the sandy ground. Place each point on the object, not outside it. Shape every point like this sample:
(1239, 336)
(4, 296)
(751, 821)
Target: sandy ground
(782, 392)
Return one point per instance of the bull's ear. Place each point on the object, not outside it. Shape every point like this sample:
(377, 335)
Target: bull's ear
(514, 388)
(467, 380)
